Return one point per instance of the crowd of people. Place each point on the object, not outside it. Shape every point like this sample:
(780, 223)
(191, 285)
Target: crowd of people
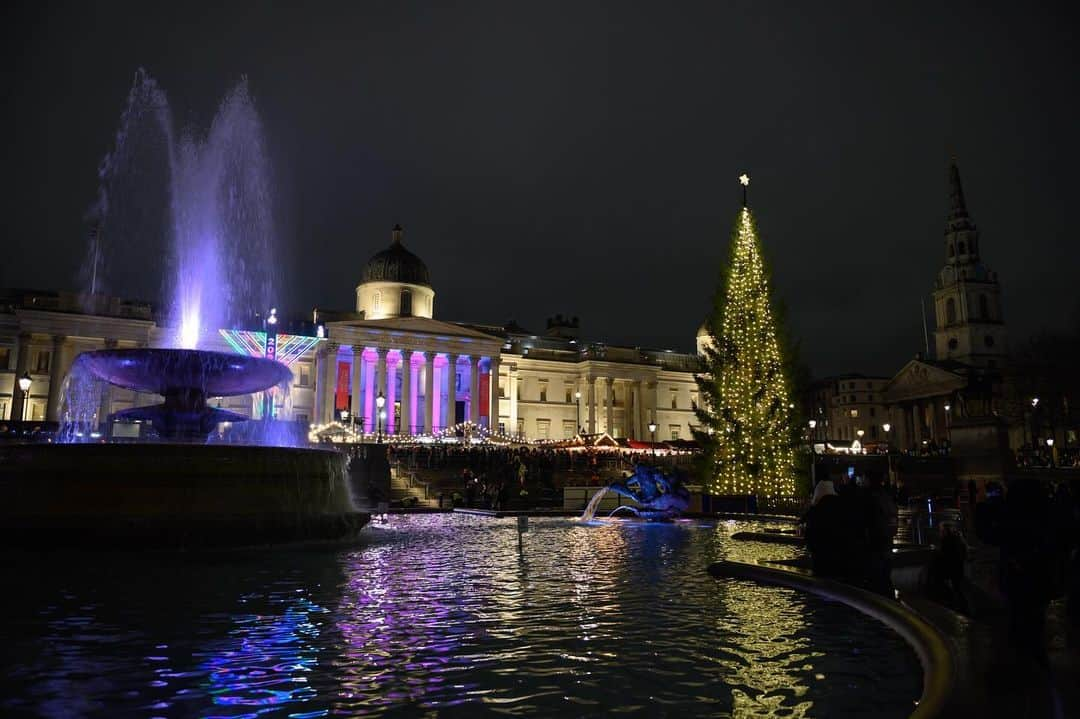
(849, 530)
(1046, 457)
(1036, 527)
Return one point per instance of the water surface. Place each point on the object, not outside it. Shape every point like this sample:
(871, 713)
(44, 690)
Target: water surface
(443, 615)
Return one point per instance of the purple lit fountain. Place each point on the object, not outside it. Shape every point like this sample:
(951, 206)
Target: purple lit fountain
(185, 378)
(199, 209)
(207, 197)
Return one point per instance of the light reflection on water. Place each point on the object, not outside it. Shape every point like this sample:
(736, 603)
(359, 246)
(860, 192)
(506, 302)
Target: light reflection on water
(441, 615)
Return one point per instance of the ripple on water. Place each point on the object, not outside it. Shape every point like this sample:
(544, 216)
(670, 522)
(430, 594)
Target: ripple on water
(441, 614)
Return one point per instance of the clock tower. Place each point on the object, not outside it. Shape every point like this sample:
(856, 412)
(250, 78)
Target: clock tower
(969, 326)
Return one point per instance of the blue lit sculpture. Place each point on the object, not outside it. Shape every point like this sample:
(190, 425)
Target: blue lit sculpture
(661, 496)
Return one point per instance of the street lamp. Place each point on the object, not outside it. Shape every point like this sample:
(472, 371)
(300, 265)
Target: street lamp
(380, 402)
(652, 430)
(24, 384)
(1050, 445)
(813, 453)
(269, 352)
(577, 397)
(887, 427)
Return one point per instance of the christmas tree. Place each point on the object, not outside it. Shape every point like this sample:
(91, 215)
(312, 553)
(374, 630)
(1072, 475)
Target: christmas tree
(746, 413)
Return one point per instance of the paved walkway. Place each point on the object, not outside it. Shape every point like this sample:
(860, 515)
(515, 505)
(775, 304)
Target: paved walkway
(995, 680)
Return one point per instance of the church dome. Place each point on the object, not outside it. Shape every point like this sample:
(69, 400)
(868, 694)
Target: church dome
(396, 264)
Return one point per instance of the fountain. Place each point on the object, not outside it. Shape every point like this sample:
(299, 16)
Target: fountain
(215, 222)
(659, 495)
(185, 378)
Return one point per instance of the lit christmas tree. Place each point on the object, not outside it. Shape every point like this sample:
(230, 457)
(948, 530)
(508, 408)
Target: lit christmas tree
(746, 413)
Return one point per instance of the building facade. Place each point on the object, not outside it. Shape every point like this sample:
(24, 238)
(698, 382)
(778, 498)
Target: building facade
(958, 393)
(843, 406)
(431, 375)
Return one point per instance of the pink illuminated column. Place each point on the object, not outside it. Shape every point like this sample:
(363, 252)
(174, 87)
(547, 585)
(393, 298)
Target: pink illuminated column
(474, 389)
(370, 358)
(438, 371)
(416, 361)
(450, 405)
(429, 390)
(393, 361)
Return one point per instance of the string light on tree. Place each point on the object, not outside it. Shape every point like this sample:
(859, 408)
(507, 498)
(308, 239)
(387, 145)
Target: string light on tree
(745, 418)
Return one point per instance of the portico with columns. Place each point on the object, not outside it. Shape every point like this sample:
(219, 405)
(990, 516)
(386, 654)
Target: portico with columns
(432, 375)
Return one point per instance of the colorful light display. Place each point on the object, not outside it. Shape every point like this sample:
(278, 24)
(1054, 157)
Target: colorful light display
(289, 348)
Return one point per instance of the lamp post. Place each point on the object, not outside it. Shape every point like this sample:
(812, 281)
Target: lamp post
(1034, 406)
(24, 384)
(577, 397)
(270, 352)
(380, 402)
(887, 427)
(652, 430)
(859, 433)
(1050, 445)
(813, 453)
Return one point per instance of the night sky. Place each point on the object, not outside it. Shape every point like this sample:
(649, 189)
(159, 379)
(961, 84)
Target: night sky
(581, 158)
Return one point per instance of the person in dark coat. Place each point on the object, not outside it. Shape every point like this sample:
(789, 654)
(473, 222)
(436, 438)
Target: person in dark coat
(1031, 564)
(826, 532)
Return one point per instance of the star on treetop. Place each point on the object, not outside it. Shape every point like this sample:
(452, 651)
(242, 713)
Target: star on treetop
(744, 179)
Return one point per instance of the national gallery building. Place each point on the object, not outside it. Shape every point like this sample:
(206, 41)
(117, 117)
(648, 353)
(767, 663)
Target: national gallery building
(431, 375)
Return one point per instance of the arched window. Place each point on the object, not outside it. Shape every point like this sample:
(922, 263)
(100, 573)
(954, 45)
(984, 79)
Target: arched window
(984, 307)
(377, 301)
(406, 304)
(950, 311)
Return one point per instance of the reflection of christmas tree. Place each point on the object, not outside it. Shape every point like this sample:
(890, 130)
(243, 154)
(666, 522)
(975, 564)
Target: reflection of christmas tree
(746, 411)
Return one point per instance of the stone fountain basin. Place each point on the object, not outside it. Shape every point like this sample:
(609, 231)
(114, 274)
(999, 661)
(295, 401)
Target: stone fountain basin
(173, 496)
(166, 371)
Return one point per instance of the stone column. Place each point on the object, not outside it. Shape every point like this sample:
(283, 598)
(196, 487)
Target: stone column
(934, 436)
(329, 383)
(592, 403)
(406, 425)
(320, 384)
(356, 406)
(56, 377)
(429, 391)
(493, 395)
(511, 389)
(22, 363)
(916, 412)
(474, 389)
(380, 388)
(610, 382)
(450, 404)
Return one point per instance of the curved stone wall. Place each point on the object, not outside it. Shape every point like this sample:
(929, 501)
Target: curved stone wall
(170, 494)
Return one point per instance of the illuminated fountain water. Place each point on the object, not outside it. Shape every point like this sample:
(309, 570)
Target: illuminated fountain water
(195, 214)
(201, 200)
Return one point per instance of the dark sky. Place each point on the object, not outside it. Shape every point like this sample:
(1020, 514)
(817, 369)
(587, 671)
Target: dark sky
(582, 157)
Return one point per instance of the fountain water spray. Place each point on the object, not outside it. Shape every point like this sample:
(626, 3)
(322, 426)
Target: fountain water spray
(203, 200)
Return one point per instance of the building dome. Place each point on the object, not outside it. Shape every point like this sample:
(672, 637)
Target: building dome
(396, 264)
(395, 283)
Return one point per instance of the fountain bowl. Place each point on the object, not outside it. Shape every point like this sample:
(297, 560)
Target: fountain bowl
(167, 371)
(186, 378)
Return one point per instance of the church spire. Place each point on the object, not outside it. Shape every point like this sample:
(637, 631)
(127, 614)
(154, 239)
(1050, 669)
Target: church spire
(396, 233)
(957, 206)
(958, 218)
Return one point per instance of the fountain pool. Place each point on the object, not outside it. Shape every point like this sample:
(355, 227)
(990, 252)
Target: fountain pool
(440, 614)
